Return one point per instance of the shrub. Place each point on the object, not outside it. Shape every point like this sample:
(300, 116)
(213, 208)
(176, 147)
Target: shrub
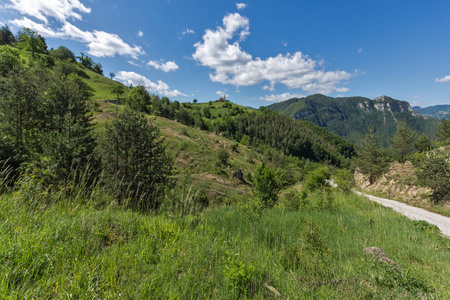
(317, 178)
(223, 156)
(291, 200)
(344, 180)
(265, 185)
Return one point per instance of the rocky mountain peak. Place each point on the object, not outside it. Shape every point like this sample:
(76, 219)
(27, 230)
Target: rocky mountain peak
(383, 98)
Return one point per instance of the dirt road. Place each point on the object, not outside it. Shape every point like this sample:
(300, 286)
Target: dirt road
(414, 213)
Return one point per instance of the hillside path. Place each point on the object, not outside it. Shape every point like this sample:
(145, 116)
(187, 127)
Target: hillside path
(414, 213)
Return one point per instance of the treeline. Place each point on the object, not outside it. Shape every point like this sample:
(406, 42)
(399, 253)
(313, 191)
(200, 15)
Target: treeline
(48, 147)
(29, 40)
(300, 139)
(433, 167)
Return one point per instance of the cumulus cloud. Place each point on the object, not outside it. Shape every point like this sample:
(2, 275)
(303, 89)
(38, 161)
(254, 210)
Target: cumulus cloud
(99, 43)
(40, 28)
(280, 97)
(137, 79)
(241, 6)
(443, 79)
(58, 9)
(140, 33)
(221, 51)
(166, 67)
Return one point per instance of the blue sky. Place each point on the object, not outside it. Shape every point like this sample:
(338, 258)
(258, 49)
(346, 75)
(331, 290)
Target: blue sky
(256, 52)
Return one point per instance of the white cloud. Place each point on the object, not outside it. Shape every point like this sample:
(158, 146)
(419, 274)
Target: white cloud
(222, 94)
(40, 28)
(360, 50)
(280, 97)
(58, 9)
(443, 79)
(241, 6)
(185, 32)
(166, 67)
(220, 50)
(134, 63)
(140, 33)
(188, 31)
(137, 79)
(99, 43)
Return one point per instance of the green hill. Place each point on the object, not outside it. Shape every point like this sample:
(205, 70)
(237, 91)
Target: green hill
(352, 116)
(435, 111)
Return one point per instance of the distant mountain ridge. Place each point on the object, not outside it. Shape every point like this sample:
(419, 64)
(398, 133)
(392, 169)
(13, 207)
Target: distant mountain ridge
(350, 117)
(436, 111)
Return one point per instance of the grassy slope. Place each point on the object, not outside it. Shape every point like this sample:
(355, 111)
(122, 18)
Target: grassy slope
(195, 154)
(77, 251)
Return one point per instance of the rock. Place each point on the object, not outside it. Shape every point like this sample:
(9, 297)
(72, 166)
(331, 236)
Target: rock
(379, 254)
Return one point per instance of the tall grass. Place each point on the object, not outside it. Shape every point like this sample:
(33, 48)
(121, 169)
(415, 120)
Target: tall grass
(108, 252)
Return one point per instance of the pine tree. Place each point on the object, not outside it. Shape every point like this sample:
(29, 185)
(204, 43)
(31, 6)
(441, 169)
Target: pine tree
(134, 160)
(372, 160)
(402, 142)
(444, 131)
(68, 144)
(434, 172)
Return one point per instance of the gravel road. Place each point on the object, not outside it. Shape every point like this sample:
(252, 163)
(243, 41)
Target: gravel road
(414, 213)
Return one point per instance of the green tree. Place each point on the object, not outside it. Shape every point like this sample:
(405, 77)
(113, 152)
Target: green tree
(434, 172)
(317, 178)
(20, 104)
(6, 36)
(372, 160)
(112, 75)
(223, 156)
(423, 143)
(265, 185)
(444, 131)
(97, 68)
(402, 142)
(135, 161)
(206, 112)
(139, 99)
(195, 101)
(29, 40)
(63, 53)
(9, 57)
(68, 143)
(118, 89)
(20, 118)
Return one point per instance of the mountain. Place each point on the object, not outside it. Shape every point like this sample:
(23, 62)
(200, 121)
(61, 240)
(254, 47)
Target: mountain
(436, 111)
(350, 117)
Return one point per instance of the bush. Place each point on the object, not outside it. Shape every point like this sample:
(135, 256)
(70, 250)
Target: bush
(344, 179)
(223, 156)
(317, 178)
(266, 186)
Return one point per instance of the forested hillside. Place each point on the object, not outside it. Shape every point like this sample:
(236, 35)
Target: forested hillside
(351, 117)
(435, 111)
